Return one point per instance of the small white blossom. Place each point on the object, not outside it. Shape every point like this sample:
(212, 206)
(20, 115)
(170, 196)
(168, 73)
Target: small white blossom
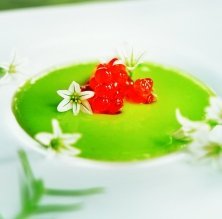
(58, 141)
(191, 128)
(75, 99)
(203, 141)
(130, 60)
(207, 144)
(214, 110)
(11, 72)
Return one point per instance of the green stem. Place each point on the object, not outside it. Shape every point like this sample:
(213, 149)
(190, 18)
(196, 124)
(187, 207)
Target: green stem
(25, 164)
(58, 192)
(130, 74)
(52, 208)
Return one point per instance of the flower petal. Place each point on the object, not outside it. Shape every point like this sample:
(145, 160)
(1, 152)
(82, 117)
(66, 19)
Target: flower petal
(44, 138)
(64, 93)
(5, 79)
(214, 110)
(71, 138)
(74, 87)
(86, 95)
(64, 105)
(69, 150)
(201, 135)
(187, 125)
(76, 108)
(56, 128)
(85, 107)
(197, 149)
(216, 135)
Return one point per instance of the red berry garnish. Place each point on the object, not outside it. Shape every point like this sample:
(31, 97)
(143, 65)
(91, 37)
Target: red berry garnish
(133, 96)
(107, 90)
(111, 84)
(151, 98)
(103, 75)
(120, 76)
(99, 104)
(141, 92)
(115, 105)
(101, 66)
(93, 83)
(144, 86)
(124, 89)
(111, 62)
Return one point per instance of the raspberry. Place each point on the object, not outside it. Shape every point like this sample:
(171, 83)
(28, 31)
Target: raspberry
(92, 83)
(111, 84)
(120, 76)
(117, 67)
(106, 105)
(111, 62)
(126, 86)
(133, 96)
(109, 72)
(101, 66)
(103, 75)
(141, 91)
(99, 104)
(144, 86)
(115, 105)
(107, 90)
(151, 98)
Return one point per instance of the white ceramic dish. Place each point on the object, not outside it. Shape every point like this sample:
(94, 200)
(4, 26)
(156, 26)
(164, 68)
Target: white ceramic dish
(163, 188)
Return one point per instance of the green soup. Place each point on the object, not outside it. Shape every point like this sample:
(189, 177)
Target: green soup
(141, 131)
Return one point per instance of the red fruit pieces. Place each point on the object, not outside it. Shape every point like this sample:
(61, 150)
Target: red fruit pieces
(141, 92)
(93, 83)
(107, 90)
(144, 86)
(111, 72)
(151, 98)
(111, 62)
(106, 105)
(111, 84)
(103, 75)
(115, 105)
(99, 104)
(120, 76)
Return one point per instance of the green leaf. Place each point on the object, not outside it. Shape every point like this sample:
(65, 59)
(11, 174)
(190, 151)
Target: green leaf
(2, 72)
(80, 192)
(32, 191)
(57, 208)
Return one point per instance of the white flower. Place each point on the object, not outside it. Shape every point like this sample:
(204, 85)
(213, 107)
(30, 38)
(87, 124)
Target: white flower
(203, 141)
(75, 99)
(207, 144)
(11, 72)
(191, 128)
(214, 110)
(58, 141)
(130, 60)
